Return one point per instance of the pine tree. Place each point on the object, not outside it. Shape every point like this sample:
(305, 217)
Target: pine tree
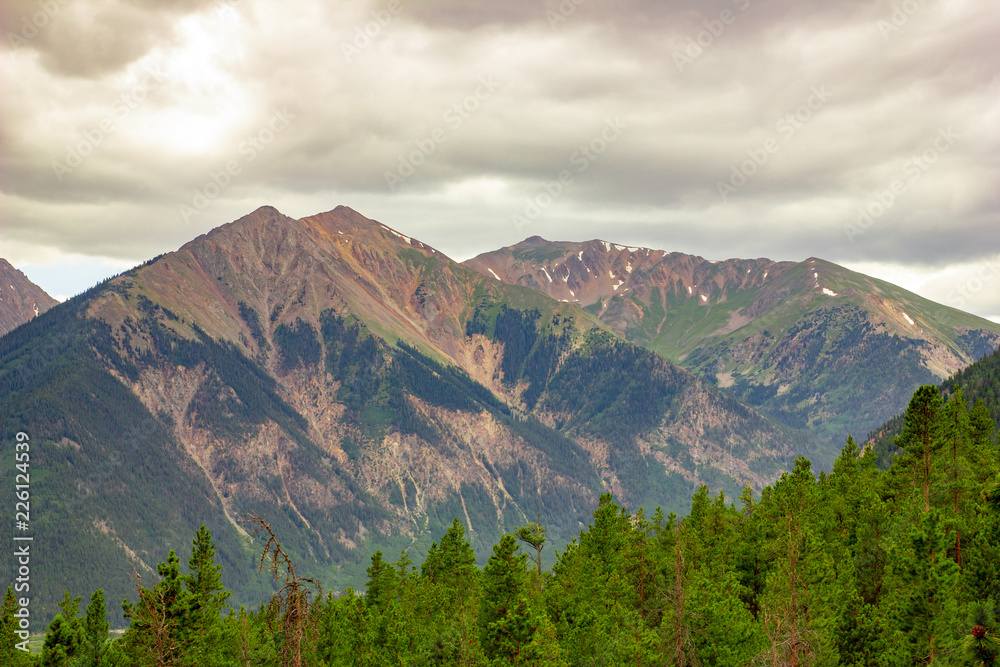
(452, 562)
(383, 581)
(157, 630)
(9, 653)
(512, 637)
(955, 485)
(920, 438)
(983, 459)
(65, 635)
(534, 535)
(724, 631)
(206, 598)
(860, 633)
(450, 590)
(749, 561)
(927, 609)
(981, 574)
(504, 585)
(95, 631)
(992, 496)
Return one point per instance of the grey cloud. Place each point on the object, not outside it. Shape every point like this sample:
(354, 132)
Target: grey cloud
(358, 115)
(84, 38)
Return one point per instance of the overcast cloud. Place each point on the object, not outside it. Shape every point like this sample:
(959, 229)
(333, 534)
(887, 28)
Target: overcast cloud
(729, 128)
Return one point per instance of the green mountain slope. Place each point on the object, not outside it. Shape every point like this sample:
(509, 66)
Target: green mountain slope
(811, 344)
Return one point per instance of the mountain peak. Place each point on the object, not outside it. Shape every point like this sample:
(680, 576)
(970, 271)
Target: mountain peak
(20, 299)
(266, 209)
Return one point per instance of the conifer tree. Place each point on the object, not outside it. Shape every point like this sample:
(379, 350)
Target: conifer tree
(382, 582)
(511, 630)
(751, 565)
(984, 459)
(206, 597)
(504, 585)
(955, 485)
(95, 631)
(534, 535)
(862, 635)
(65, 635)
(9, 653)
(156, 631)
(920, 438)
(450, 583)
(511, 637)
(927, 608)
(981, 574)
(678, 640)
(725, 633)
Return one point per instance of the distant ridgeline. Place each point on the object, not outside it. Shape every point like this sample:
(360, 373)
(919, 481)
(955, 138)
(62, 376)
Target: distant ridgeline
(855, 567)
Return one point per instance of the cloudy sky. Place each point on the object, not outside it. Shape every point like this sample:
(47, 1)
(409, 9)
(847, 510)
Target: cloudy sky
(865, 132)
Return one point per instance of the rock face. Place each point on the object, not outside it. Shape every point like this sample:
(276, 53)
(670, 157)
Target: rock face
(20, 299)
(811, 343)
(358, 389)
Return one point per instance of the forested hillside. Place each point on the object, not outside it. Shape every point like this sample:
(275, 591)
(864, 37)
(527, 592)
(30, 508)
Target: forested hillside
(980, 382)
(855, 567)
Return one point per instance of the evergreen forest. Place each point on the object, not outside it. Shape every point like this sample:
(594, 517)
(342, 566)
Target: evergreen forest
(858, 566)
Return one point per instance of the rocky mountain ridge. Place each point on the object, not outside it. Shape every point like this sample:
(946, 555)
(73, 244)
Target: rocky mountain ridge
(802, 341)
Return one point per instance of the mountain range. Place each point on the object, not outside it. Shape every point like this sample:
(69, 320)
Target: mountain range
(811, 344)
(360, 390)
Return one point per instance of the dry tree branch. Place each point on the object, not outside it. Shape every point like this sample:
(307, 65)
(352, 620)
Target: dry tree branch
(291, 601)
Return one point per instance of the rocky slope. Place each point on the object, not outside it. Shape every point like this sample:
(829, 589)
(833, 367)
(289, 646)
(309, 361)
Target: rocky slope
(20, 299)
(811, 343)
(357, 388)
